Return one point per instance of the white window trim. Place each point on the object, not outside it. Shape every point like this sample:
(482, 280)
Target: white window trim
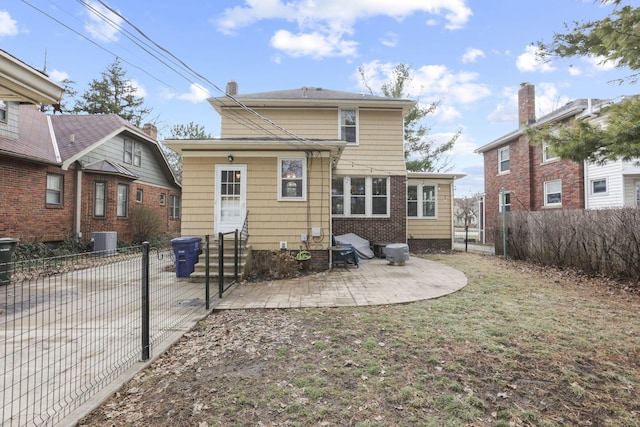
(302, 198)
(59, 192)
(546, 193)
(546, 157)
(500, 201)
(357, 142)
(500, 151)
(420, 202)
(124, 206)
(139, 192)
(175, 206)
(103, 211)
(602, 193)
(368, 208)
(4, 106)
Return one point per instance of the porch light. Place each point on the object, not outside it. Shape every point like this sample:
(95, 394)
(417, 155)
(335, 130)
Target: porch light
(230, 158)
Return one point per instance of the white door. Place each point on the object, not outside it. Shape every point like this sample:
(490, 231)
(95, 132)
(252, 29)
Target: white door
(230, 204)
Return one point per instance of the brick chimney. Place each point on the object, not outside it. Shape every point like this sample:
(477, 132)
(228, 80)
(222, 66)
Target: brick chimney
(232, 88)
(526, 104)
(151, 130)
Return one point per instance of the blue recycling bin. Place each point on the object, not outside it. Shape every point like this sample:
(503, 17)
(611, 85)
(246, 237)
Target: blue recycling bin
(186, 251)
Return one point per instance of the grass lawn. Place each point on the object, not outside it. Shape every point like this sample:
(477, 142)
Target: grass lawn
(519, 346)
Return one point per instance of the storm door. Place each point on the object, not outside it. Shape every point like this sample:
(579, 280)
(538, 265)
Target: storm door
(230, 204)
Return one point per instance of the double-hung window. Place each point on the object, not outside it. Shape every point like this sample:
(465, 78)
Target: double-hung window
(553, 193)
(132, 152)
(547, 153)
(421, 201)
(349, 126)
(55, 187)
(3, 111)
(123, 200)
(504, 202)
(174, 207)
(503, 160)
(360, 196)
(292, 180)
(99, 199)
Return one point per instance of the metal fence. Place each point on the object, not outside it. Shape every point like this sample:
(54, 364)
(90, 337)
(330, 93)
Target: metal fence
(71, 325)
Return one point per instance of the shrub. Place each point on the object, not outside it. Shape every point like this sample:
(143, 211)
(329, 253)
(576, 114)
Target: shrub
(146, 224)
(273, 265)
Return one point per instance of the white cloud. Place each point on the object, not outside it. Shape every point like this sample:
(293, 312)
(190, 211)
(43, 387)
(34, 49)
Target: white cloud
(314, 44)
(8, 25)
(58, 76)
(390, 40)
(196, 94)
(472, 55)
(601, 63)
(574, 71)
(548, 99)
(103, 24)
(140, 91)
(529, 61)
(325, 23)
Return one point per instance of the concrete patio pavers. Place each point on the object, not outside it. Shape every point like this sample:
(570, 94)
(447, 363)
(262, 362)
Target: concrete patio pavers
(376, 282)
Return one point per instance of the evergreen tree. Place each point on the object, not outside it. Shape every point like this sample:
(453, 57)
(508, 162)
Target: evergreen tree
(614, 38)
(113, 94)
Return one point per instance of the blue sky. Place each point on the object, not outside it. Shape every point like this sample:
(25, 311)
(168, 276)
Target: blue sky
(470, 55)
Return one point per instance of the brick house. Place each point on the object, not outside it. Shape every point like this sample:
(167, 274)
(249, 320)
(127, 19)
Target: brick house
(67, 176)
(531, 177)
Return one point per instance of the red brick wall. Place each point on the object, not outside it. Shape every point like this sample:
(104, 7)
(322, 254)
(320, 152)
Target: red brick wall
(571, 174)
(392, 229)
(121, 225)
(525, 181)
(517, 181)
(25, 215)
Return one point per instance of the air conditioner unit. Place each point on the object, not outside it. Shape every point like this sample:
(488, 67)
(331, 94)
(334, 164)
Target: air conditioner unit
(105, 242)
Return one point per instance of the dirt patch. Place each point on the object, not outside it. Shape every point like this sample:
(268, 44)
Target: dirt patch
(519, 346)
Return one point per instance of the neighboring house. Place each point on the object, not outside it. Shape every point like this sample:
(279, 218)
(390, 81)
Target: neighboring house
(295, 167)
(614, 184)
(67, 176)
(530, 176)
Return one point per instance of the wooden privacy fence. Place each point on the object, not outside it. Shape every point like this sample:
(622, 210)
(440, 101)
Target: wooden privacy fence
(603, 242)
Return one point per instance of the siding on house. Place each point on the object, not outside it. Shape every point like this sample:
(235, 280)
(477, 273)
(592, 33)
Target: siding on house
(270, 221)
(113, 150)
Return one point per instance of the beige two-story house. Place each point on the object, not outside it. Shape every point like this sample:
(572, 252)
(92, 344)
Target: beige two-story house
(294, 167)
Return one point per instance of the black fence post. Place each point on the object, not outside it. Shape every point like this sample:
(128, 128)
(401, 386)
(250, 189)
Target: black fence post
(220, 264)
(235, 256)
(206, 270)
(145, 302)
